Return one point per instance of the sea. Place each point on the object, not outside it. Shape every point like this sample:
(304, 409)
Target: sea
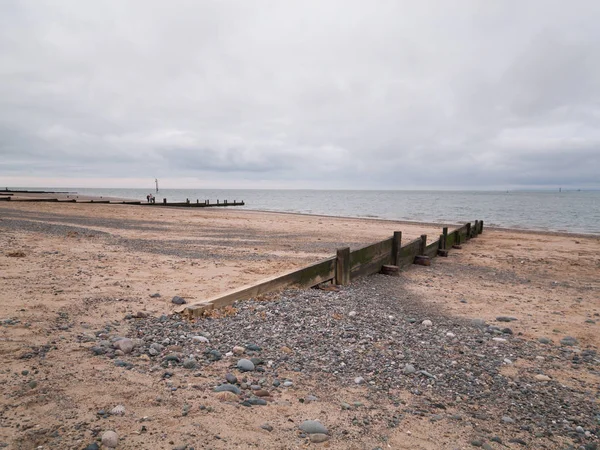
(567, 211)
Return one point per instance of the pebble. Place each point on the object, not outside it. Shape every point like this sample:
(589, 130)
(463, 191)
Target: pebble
(190, 363)
(498, 339)
(541, 377)
(237, 350)
(92, 446)
(317, 438)
(231, 378)
(288, 383)
(569, 341)
(266, 426)
(201, 339)
(118, 410)
(409, 368)
(359, 380)
(427, 323)
(352, 313)
(505, 319)
(155, 295)
(245, 365)
(507, 419)
(253, 348)
(228, 387)
(544, 340)
(178, 300)
(110, 439)
(450, 334)
(126, 345)
(313, 427)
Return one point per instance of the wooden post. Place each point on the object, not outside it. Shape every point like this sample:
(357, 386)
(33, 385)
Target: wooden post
(164, 201)
(480, 226)
(475, 228)
(423, 244)
(457, 238)
(396, 244)
(342, 266)
(468, 230)
(445, 233)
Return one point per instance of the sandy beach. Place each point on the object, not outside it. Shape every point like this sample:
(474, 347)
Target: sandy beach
(73, 277)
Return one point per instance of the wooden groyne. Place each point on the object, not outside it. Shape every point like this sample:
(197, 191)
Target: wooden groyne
(197, 204)
(387, 256)
(10, 196)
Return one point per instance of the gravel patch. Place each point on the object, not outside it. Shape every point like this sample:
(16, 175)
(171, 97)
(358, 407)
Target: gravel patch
(374, 331)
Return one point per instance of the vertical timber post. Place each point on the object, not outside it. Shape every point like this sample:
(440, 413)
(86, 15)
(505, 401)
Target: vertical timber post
(468, 230)
(445, 232)
(396, 244)
(423, 244)
(342, 266)
(476, 228)
(480, 226)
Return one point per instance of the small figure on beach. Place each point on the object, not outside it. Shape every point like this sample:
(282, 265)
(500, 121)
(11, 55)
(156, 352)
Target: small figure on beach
(152, 199)
(148, 197)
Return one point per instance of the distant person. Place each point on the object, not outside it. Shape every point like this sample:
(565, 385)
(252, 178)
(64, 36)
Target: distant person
(148, 197)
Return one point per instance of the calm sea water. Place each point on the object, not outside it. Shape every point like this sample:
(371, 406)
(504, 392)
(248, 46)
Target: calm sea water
(574, 211)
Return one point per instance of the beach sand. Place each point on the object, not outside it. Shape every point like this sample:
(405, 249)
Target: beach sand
(68, 270)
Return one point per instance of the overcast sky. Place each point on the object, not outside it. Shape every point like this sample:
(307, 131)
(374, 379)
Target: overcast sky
(302, 94)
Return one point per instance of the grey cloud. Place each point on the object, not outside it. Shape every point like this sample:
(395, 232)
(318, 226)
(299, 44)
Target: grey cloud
(325, 94)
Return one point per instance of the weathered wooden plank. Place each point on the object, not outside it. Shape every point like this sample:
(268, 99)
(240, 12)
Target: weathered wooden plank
(369, 259)
(450, 240)
(431, 249)
(306, 277)
(368, 253)
(407, 253)
(342, 266)
(370, 267)
(396, 244)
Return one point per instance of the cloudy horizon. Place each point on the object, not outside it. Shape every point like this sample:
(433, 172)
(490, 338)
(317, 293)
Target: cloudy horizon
(312, 94)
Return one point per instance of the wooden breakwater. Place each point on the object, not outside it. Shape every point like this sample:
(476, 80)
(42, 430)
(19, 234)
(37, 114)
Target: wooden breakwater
(347, 265)
(197, 204)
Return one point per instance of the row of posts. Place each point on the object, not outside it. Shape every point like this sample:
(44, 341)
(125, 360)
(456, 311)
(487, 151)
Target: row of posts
(206, 202)
(342, 266)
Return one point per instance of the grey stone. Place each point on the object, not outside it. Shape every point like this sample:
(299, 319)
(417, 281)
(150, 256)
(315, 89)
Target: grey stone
(92, 446)
(178, 300)
(313, 427)
(228, 387)
(544, 340)
(409, 368)
(126, 345)
(505, 319)
(190, 363)
(266, 426)
(478, 323)
(231, 378)
(253, 347)
(245, 365)
(155, 295)
(569, 340)
(507, 419)
(257, 401)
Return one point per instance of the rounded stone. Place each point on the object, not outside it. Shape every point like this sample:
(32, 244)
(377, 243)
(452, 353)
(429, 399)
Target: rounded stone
(110, 439)
(231, 378)
(313, 427)
(427, 323)
(245, 365)
(317, 438)
(126, 345)
(178, 300)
